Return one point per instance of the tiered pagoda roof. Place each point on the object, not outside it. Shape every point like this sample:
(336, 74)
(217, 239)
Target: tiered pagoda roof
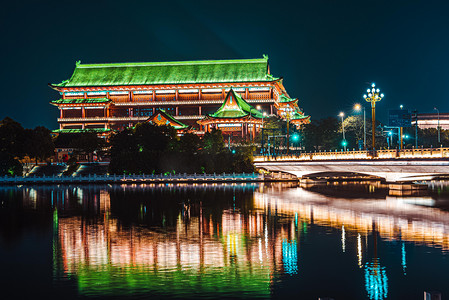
(180, 72)
(163, 118)
(81, 101)
(85, 130)
(297, 115)
(235, 107)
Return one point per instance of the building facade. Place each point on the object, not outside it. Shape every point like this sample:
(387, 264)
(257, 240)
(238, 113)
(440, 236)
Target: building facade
(108, 97)
(432, 120)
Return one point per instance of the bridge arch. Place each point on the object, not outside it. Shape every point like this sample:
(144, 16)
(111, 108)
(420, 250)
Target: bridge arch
(391, 171)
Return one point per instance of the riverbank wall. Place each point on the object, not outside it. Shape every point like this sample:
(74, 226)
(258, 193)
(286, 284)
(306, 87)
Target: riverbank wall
(154, 178)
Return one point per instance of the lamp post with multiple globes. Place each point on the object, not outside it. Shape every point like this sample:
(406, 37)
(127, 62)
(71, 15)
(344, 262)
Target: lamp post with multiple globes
(373, 97)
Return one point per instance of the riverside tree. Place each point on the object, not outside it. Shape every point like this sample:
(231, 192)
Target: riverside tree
(148, 149)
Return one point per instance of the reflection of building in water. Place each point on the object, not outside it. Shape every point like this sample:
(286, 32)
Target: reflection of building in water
(236, 253)
(395, 218)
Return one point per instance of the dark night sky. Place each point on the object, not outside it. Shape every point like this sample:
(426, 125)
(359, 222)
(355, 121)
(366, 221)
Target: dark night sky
(327, 51)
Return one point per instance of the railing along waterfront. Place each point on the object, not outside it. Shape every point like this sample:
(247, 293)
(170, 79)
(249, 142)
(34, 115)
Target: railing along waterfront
(157, 178)
(426, 153)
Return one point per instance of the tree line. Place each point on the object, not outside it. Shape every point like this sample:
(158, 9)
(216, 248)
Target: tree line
(38, 144)
(17, 142)
(326, 134)
(153, 149)
(143, 149)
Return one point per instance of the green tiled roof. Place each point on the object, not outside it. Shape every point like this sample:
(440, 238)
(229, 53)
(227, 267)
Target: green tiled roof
(179, 125)
(298, 114)
(235, 106)
(95, 130)
(283, 98)
(82, 100)
(207, 71)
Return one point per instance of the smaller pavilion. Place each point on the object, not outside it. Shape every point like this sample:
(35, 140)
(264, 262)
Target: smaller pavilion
(235, 118)
(289, 110)
(163, 118)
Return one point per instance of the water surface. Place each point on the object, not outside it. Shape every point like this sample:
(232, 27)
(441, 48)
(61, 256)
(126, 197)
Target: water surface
(346, 241)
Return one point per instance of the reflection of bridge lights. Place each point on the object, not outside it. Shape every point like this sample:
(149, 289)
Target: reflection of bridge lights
(343, 238)
(290, 257)
(376, 281)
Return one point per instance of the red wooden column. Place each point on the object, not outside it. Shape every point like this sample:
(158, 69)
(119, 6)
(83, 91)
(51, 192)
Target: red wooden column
(199, 94)
(131, 96)
(176, 95)
(199, 110)
(246, 93)
(177, 111)
(254, 131)
(154, 97)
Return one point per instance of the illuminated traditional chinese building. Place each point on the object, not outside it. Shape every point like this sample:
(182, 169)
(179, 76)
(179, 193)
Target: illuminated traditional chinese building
(162, 118)
(234, 117)
(288, 109)
(114, 96)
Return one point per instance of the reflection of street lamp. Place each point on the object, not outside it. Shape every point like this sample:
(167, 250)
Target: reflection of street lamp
(373, 97)
(438, 126)
(342, 114)
(358, 107)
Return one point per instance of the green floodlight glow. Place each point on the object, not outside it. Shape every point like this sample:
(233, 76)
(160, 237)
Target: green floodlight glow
(295, 137)
(233, 151)
(344, 143)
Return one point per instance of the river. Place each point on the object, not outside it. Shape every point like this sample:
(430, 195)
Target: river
(280, 240)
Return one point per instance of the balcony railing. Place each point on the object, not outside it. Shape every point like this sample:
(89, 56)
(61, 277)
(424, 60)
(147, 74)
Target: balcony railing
(126, 119)
(185, 102)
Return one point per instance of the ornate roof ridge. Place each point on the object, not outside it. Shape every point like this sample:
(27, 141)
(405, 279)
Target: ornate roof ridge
(172, 63)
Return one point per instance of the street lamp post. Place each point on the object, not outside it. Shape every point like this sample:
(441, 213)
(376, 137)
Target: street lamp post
(401, 132)
(288, 111)
(373, 97)
(343, 128)
(358, 107)
(438, 125)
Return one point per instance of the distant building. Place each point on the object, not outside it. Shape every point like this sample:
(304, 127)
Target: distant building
(431, 120)
(110, 97)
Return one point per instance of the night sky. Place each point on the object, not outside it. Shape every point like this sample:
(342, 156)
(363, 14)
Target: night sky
(327, 51)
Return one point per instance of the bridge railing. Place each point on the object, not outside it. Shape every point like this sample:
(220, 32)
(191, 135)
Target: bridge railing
(362, 155)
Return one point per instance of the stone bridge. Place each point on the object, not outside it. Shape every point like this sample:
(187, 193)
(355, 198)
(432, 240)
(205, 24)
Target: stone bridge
(390, 170)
